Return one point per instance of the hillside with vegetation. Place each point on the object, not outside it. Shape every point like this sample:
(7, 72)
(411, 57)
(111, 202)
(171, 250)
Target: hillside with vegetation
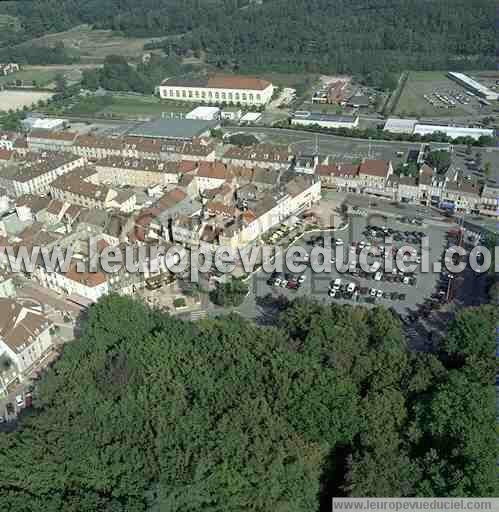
(343, 36)
(146, 412)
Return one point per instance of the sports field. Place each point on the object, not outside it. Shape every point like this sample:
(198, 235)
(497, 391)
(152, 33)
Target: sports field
(140, 106)
(14, 100)
(43, 78)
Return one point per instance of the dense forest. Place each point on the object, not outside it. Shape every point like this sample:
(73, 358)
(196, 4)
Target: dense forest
(361, 36)
(117, 74)
(146, 412)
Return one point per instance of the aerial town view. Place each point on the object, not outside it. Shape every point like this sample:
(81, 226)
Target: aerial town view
(249, 255)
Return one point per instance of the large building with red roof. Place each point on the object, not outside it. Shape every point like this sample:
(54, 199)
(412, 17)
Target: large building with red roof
(218, 89)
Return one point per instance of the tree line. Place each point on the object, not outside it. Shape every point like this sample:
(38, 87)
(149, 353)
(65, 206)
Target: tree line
(118, 75)
(146, 412)
(379, 133)
(366, 37)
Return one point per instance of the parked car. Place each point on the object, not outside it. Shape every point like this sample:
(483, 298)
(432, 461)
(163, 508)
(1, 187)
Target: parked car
(379, 294)
(19, 401)
(351, 287)
(337, 284)
(302, 278)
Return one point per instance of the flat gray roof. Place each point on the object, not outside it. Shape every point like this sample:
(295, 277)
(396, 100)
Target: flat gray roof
(173, 128)
(317, 116)
(359, 99)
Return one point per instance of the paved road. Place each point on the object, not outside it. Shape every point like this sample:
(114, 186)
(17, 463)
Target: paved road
(299, 134)
(348, 149)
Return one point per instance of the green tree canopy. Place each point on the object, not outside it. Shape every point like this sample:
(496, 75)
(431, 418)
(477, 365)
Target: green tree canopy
(147, 412)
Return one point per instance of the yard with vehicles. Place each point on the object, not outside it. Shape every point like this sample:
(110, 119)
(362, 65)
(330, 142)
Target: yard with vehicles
(425, 301)
(430, 94)
(404, 292)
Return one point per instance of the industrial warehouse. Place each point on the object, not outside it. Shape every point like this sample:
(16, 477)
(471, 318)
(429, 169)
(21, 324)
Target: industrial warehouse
(413, 127)
(474, 86)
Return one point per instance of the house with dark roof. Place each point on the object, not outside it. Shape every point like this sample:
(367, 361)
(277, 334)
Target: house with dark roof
(36, 171)
(78, 188)
(373, 176)
(135, 172)
(341, 177)
(489, 204)
(29, 206)
(93, 147)
(268, 156)
(463, 195)
(48, 140)
(212, 175)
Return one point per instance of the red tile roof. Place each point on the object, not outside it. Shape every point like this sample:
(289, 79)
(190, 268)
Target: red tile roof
(21, 142)
(249, 216)
(214, 170)
(90, 279)
(348, 170)
(50, 135)
(221, 82)
(6, 154)
(185, 166)
(217, 208)
(237, 82)
(377, 168)
(171, 198)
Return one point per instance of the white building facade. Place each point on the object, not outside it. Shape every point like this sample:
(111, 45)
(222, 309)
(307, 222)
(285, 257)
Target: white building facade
(219, 89)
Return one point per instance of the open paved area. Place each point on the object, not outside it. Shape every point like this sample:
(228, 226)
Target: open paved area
(14, 100)
(412, 101)
(317, 285)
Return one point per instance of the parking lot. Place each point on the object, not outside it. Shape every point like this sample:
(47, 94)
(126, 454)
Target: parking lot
(404, 292)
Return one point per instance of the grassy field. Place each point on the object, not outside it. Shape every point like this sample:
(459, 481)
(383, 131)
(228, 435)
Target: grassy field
(152, 106)
(419, 83)
(122, 107)
(94, 45)
(43, 77)
(7, 22)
